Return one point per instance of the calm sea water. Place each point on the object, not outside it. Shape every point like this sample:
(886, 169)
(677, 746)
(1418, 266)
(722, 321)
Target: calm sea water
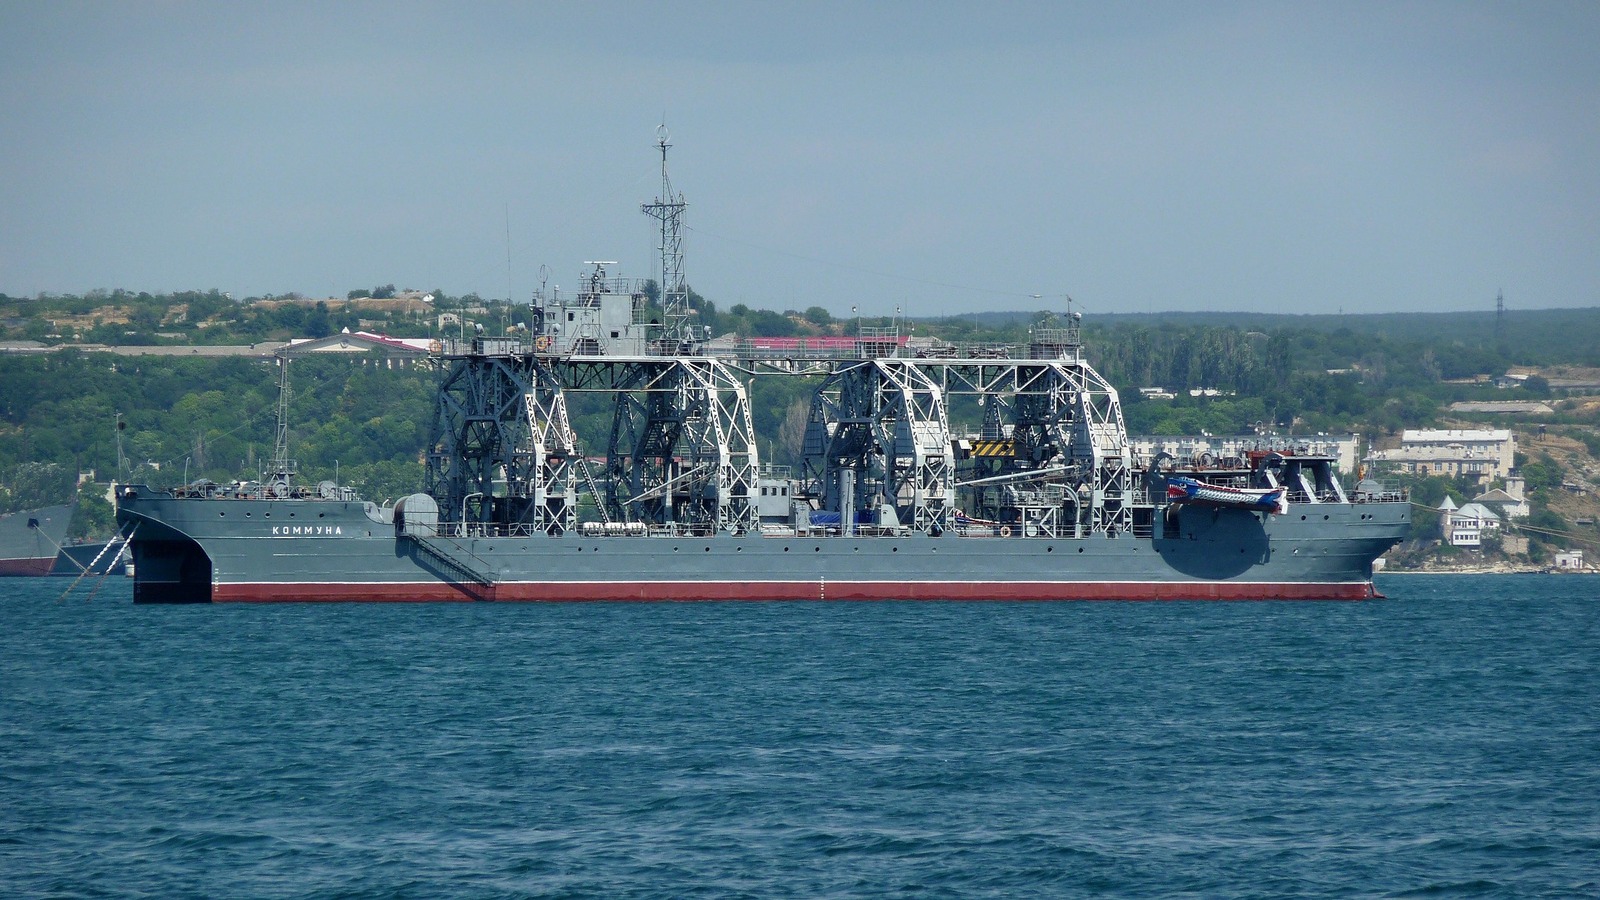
(1443, 742)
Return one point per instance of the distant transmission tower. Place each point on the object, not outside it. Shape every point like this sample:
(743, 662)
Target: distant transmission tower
(668, 210)
(1500, 322)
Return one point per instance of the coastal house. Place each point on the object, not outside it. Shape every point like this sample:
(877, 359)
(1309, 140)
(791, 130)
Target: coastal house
(1510, 500)
(1466, 526)
(1569, 561)
(1515, 377)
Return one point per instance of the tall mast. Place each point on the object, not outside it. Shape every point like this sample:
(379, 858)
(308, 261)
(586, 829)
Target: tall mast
(282, 466)
(668, 210)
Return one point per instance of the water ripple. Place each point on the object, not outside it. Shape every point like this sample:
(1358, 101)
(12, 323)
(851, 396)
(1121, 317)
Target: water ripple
(1441, 743)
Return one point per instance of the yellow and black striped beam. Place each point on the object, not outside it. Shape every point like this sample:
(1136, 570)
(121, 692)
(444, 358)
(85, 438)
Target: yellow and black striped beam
(994, 448)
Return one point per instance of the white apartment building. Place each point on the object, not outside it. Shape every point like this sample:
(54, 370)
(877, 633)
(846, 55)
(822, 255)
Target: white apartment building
(1344, 448)
(1486, 454)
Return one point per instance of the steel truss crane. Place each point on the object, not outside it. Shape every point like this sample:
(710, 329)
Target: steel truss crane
(883, 421)
(682, 447)
(682, 451)
(503, 451)
(1061, 417)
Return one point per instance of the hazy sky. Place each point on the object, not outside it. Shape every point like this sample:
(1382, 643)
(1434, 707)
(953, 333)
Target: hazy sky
(945, 157)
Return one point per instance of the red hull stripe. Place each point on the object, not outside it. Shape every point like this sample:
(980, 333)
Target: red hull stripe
(433, 591)
(36, 566)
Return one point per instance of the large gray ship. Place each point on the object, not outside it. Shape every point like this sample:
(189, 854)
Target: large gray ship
(30, 539)
(1042, 499)
(1045, 502)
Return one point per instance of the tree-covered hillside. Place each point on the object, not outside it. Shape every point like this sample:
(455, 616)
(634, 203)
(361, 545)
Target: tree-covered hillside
(203, 417)
(212, 418)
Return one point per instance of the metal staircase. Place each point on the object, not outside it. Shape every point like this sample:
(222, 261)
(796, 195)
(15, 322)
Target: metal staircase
(460, 561)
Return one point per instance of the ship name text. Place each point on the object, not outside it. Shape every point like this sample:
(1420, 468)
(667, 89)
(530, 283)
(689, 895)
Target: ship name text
(306, 530)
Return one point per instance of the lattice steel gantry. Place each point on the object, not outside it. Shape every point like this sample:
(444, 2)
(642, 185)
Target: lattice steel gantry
(884, 422)
(682, 448)
(502, 450)
(1062, 420)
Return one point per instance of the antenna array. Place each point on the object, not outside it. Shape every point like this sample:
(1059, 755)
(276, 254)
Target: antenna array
(668, 210)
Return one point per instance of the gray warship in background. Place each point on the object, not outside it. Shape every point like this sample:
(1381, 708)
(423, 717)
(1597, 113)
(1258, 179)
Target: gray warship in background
(35, 542)
(1046, 502)
(31, 539)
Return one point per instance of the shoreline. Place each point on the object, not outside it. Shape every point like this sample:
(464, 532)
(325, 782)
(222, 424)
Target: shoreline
(1483, 570)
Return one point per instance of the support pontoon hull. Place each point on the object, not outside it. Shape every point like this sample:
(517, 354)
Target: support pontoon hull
(233, 550)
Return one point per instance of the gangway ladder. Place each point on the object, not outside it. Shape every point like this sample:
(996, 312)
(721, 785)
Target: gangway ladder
(434, 548)
(594, 490)
(119, 542)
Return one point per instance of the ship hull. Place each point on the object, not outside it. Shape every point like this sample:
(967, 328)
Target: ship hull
(819, 590)
(80, 559)
(30, 539)
(237, 550)
(27, 566)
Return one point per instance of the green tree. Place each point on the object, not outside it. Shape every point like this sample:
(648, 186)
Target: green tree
(766, 323)
(95, 518)
(30, 484)
(318, 324)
